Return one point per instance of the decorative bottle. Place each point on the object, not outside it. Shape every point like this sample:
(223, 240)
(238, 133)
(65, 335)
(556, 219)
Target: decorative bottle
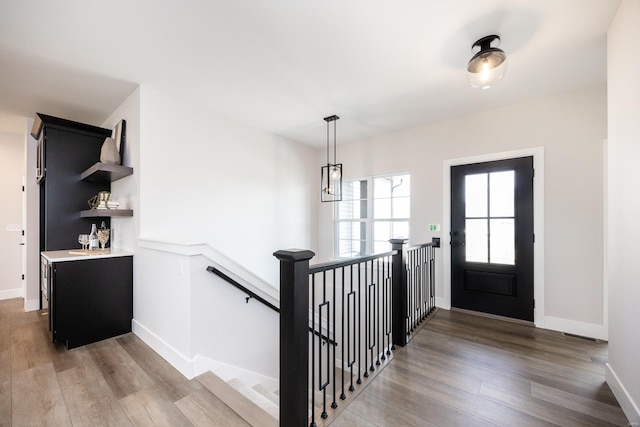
(93, 238)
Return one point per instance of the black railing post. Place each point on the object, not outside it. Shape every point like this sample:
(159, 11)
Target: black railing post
(294, 336)
(399, 293)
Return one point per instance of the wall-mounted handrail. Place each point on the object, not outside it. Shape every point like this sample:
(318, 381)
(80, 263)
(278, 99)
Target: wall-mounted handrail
(253, 295)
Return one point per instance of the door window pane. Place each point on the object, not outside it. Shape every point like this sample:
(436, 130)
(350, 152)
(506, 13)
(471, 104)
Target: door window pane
(502, 241)
(476, 243)
(476, 195)
(501, 193)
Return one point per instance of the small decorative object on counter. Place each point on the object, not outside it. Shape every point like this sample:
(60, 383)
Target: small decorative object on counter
(103, 235)
(93, 238)
(109, 153)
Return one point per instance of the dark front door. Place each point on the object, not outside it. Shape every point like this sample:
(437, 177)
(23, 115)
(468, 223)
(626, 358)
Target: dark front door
(492, 237)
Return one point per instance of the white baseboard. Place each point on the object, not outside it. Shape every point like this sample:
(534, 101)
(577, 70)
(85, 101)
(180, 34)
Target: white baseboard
(32, 305)
(227, 372)
(627, 404)
(11, 293)
(183, 364)
(582, 329)
(443, 303)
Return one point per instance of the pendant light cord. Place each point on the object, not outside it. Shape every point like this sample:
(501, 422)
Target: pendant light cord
(335, 142)
(327, 143)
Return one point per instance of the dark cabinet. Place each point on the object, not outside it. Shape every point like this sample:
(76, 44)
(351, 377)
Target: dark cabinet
(89, 299)
(65, 150)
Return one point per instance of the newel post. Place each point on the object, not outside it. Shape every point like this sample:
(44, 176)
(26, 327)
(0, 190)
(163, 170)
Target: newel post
(399, 293)
(294, 336)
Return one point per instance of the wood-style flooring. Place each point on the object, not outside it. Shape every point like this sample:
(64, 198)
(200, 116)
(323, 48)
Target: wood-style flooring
(458, 370)
(116, 382)
(464, 370)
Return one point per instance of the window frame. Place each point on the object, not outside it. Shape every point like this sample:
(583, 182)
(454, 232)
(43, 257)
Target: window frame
(370, 219)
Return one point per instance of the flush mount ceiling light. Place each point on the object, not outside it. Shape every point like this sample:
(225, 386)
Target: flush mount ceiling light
(488, 65)
(331, 174)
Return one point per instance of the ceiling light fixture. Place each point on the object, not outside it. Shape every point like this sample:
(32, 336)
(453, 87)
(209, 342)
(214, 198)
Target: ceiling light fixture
(488, 65)
(331, 174)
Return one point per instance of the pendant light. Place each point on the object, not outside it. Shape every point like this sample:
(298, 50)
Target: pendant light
(331, 174)
(488, 65)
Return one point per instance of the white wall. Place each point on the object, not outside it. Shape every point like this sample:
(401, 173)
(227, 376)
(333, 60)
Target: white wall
(571, 127)
(11, 173)
(624, 207)
(205, 178)
(201, 180)
(125, 231)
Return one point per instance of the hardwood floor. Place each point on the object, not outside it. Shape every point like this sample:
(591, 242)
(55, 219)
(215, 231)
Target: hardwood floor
(116, 382)
(459, 369)
(462, 369)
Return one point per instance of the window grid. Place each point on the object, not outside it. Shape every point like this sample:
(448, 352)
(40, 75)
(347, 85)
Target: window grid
(372, 211)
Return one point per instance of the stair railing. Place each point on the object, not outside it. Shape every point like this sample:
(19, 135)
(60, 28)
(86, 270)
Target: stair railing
(368, 304)
(255, 296)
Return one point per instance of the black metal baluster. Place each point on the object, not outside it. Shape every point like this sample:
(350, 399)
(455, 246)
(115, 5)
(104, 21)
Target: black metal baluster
(334, 404)
(384, 310)
(344, 342)
(313, 351)
(389, 305)
(323, 386)
(352, 324)
(366, 321)
(432, 278)
(372, 317)
(359, 329)
(377, 310)
(423, 291)
(412, 289)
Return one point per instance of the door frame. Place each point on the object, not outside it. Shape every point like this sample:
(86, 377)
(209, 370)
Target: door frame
(538, 223)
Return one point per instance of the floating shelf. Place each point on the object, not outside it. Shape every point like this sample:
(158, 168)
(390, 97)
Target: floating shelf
(103, 172)
(97, 213)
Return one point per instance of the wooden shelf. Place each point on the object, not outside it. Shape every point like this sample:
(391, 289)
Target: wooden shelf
(102, 172)
(98, 213)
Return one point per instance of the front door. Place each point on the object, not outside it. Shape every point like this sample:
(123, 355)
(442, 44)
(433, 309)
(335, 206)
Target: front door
(492, 237)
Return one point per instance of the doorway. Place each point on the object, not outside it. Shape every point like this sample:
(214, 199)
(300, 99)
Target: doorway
(492, 238)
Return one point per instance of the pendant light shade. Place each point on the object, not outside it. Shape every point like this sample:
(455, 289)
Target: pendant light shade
(488, 65)
(331, 174)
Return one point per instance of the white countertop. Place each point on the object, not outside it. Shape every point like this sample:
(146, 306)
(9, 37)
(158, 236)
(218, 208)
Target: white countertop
(73, 255)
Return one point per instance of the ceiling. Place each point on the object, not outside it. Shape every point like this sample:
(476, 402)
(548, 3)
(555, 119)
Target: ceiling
(283, 65)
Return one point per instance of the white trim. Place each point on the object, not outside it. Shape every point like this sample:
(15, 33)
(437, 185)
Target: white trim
(582, 329)
(629, 407)
(226, 265)
(538, 223)
(32, 305)
(176, 359)
(12, 293)
(605, 237)
(227, 372)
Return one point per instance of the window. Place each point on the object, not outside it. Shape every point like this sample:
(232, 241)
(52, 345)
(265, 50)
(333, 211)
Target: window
(372, 211)
(490, 217)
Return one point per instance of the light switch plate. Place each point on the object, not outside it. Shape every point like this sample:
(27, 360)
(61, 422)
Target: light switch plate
(13, 227)
(434, 227)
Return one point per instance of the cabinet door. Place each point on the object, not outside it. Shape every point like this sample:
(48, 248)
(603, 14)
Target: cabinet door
(93, 299)
(63, 194)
